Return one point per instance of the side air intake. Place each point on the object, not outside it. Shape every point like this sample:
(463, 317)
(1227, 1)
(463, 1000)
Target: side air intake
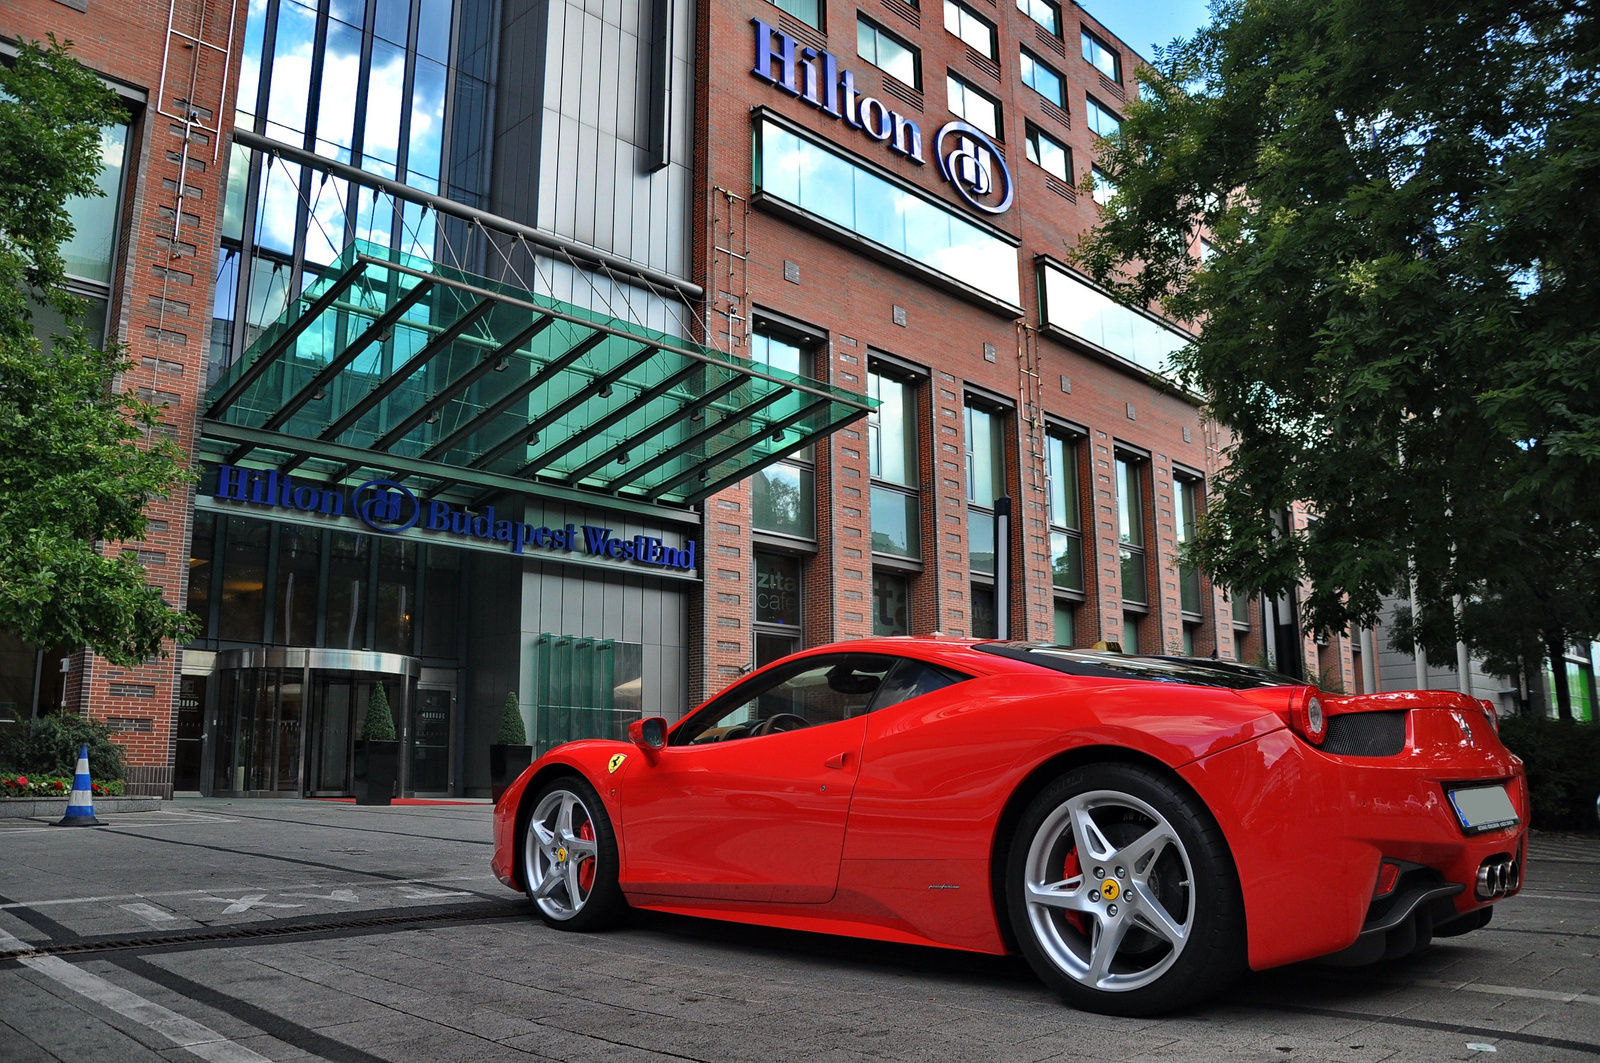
(1366, 734)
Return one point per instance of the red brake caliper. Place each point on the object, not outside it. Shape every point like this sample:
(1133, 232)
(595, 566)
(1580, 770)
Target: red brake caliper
(1072, 870)
(586, 869)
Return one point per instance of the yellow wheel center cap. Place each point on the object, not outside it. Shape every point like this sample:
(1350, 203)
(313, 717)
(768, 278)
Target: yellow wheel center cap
(1109, 889)
(561, 856)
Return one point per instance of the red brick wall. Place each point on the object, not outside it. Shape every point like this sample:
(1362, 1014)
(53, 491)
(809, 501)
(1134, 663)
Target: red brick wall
(161, 297)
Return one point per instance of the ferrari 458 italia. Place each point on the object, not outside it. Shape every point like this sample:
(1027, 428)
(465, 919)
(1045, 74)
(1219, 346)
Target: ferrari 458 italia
(1141, 829)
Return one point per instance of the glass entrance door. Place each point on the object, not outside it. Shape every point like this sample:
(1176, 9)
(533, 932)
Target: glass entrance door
(430, 741)
(332, 734)
(261, 716)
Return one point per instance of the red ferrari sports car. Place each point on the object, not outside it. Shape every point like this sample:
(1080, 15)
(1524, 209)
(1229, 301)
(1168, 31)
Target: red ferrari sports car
(1140, 828)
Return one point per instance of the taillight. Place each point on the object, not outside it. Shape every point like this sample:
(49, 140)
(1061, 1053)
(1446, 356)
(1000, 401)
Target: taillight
(1494, 716)
(1388, 875)
(1307, 717)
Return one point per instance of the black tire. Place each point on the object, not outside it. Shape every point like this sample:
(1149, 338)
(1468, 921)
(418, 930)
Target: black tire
(568, 905)
(1153, 964)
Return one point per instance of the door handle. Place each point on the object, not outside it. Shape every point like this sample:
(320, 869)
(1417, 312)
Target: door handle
(835, 761)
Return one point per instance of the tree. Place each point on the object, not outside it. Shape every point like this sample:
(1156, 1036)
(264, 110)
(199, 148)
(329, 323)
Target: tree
(512, 732)
(78, 462)
(378, 726)
(1400, 299)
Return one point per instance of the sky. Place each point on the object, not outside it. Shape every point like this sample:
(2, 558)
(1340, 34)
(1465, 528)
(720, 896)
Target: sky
(1144, 23)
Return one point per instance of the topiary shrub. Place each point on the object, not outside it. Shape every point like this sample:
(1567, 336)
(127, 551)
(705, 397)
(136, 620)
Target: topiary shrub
(1563, 763)
(50, 744)
(379, 724)
(512, 733)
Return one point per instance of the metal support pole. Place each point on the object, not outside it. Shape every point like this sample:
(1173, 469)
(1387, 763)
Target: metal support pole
(1369, 660)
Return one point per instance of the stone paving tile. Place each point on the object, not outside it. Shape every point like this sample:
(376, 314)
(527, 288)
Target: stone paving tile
(69, 1026)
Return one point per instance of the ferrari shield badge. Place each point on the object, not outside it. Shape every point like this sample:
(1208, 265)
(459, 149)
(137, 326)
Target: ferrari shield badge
(616, 762)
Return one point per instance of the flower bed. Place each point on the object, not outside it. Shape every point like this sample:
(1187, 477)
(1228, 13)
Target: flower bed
(51, 786)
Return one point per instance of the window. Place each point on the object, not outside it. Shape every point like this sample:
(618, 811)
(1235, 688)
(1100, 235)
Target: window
(1049, 154)
(1066, 626)
(807, 11)
(1101, 56)
(1045, 12)
(973, 106)
(1073, 305)
(824, 183)
(891, 603)
(810, 692)
(983, 612)
(1240, 603)
(1103, 188)
(1066, 529)
(89, 255)
(1130, 529)
(783, 495)
(1186, 491)
(777, 613)
(1101, 121)
(986, 455)
(887, 52)
(1189, 631)
(1130, 633)
(1042, 79)
(977, 32)
(1207, 251)
(892, 454)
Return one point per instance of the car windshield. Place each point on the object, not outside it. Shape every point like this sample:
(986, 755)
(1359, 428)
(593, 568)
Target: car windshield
(1192, 671)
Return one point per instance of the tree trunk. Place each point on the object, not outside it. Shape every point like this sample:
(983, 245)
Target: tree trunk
(1556, 645)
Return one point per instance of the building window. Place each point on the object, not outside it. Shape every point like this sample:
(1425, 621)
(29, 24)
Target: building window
(986, 483)
(1049, 154)
(783, 495)
(1240, 604)
(1102, 56)
(826, 184)
(1189, 632)
(1186, 492)
(1103, 188)
(1130, 529)
(1042, 79)
(1130, 632)
(976, 31)
(891, 603)
(777, 627)
(983, 612)
(892, 453)
(1066, 525)
(977, 108)
(1066, 623)
(89, 256)
(807, 11)
(1102, 121)
(887, 52)
(1045, 12)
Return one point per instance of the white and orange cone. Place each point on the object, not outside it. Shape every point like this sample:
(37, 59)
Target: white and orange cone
(80, 806)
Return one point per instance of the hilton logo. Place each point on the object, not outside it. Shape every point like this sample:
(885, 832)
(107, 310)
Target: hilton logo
(968, 159)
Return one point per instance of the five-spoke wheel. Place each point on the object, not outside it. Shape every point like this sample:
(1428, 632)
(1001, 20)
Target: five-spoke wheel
(1122, 892)
(569, 857)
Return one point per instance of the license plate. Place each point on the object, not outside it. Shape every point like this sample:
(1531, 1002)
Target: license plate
(1483, 808)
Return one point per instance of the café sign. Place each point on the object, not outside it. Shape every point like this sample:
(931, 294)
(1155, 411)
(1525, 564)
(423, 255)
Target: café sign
(389, 508)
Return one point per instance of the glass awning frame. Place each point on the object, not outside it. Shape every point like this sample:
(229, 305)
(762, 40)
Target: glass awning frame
(393, 365)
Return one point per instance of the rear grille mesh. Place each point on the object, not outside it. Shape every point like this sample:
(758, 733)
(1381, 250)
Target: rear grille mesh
(1366, 734)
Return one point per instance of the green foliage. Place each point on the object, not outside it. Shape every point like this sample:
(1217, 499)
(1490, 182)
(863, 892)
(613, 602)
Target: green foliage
(78, 460)
(1402, 311)
(512, 733)
(1563, 763)
(49, 746)
(379, 724)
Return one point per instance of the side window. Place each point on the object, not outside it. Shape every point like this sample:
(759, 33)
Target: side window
(912, 679)
(808, 693)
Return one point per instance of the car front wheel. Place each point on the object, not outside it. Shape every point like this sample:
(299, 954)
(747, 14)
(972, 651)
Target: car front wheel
(569, 857)
(1122, 893)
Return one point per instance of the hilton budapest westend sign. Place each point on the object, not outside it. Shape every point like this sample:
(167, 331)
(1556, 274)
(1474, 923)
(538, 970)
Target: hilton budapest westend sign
(968, 159)
(389, 508)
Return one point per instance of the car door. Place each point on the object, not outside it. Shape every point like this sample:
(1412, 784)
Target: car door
(748, 802)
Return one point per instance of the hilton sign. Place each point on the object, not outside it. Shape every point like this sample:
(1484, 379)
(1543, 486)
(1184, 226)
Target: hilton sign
(968, 159)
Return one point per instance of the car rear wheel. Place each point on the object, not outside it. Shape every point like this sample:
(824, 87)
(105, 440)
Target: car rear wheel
(569, 858)
(1122, 893)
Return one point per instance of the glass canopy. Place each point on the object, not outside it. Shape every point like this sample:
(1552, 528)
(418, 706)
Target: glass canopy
(403, 367)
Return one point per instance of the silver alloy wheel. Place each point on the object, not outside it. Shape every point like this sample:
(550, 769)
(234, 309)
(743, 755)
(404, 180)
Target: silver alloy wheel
(554, 853)
(1140, 908)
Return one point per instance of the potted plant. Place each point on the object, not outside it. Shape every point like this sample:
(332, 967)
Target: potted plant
(377, 753)
(510, 753)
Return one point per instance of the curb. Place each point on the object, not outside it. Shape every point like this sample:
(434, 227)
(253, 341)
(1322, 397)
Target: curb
(34, 807)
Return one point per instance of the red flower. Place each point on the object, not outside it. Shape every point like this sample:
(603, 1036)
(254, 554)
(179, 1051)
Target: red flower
(59, 785)
(22, 780)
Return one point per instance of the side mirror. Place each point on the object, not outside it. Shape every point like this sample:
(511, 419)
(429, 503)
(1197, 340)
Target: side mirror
(649, 734)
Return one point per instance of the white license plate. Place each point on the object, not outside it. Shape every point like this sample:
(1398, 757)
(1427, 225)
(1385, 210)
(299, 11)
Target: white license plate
(1483, 808)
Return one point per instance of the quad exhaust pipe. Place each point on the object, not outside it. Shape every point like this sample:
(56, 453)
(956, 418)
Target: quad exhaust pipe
(1498, 876)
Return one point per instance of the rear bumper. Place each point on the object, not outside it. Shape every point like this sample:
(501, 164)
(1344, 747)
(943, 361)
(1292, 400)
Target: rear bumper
(1308, 832)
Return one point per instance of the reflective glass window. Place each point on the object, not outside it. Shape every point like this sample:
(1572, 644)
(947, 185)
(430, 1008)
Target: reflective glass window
(783, 495)
(893, 462)
(299, 575)
(1042, 79)
(891, 603)
(887, 52)
(1131, 530)
(87, 254)
(244, 579)
(1066, 538)
(202, 564)
(441, 590)
(807, 11)
(974, 106)
(1066, 633)
(397, 594)
(1130, 633)
(985, 463)
(349, 582)
(1101, 56)
(1044, 12)
(1104, 190)
(1049, 154)
(1101, 120)
(976, 31)
(777, 589)
(983, 612)
(1186, 492)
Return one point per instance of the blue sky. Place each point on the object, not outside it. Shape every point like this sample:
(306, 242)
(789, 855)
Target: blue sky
(1143, 23)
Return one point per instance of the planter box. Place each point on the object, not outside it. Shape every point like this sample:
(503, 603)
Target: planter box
(377, 768)
(505, 764)
(56, 807)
